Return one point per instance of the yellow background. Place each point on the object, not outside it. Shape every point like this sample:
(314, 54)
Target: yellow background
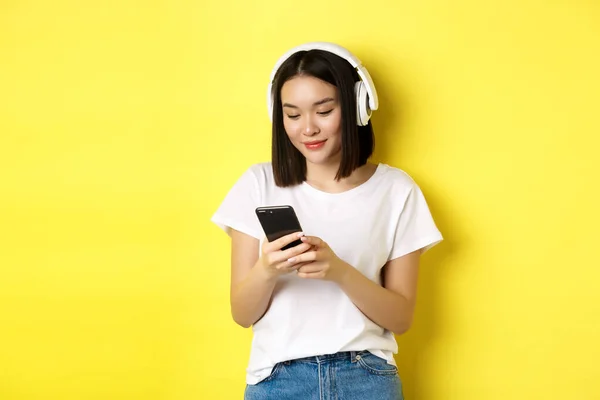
(124, 123)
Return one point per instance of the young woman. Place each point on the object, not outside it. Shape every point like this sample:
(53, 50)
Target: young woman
(324, 312)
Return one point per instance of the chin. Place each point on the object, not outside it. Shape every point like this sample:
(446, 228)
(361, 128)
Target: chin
(319, 159)
(322, 157)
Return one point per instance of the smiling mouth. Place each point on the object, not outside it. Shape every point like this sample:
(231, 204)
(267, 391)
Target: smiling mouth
(315, 145)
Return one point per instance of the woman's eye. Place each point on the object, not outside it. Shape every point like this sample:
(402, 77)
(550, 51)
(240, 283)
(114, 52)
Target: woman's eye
(293, 116)
(326, 112)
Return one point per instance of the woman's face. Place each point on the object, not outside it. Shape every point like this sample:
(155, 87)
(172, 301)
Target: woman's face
(312, 118)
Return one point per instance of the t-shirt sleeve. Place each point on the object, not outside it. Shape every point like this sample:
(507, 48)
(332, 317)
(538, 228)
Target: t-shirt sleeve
(416, 228)
(237, 211)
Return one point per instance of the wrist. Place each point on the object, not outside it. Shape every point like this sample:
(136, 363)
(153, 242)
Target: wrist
(344, 271)
(266, 274)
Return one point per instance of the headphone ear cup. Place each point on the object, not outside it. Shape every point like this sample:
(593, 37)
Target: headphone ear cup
(363, 113)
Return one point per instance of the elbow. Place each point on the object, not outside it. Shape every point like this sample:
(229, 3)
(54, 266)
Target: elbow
(243, 324)
(404, 317)
(402, 326)
(238, 315)
(401, 329)
(238, 319)
(243, 316)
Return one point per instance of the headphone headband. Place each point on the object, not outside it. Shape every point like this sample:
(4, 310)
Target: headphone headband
(365, 77)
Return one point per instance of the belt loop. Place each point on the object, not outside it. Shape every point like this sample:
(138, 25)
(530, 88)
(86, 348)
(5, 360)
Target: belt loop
(353, 356)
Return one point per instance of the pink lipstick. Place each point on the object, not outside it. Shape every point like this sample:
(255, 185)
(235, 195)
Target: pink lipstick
(315, 145)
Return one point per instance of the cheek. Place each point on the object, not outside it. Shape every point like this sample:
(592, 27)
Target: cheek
(291, 128)
(334, 126)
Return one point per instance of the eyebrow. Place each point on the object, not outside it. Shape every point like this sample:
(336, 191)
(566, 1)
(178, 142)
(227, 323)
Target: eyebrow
(316, 103)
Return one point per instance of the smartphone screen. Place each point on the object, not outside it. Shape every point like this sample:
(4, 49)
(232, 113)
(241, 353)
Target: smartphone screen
(278, 221)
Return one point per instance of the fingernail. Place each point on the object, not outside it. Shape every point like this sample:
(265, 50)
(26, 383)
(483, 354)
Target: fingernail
(291, 259)
(300, 234)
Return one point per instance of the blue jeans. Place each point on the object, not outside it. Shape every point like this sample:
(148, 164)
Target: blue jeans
(341, 376)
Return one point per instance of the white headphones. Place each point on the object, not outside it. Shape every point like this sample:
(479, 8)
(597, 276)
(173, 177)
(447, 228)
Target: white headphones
(366, 95)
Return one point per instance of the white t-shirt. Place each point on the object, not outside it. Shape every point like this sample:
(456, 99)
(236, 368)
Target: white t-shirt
(384, 218)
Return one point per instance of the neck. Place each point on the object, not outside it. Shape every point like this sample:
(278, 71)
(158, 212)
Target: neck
(322, 173)
(322, 176)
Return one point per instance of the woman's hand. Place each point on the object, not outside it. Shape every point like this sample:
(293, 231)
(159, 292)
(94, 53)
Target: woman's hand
(275, 261)
(320, 262)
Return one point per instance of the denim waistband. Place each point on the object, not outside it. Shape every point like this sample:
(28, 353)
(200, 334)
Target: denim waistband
(323, 358)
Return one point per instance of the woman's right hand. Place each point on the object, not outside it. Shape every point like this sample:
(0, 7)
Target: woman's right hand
(275, 262)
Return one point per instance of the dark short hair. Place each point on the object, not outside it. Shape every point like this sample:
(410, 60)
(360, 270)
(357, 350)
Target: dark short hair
(289, 165)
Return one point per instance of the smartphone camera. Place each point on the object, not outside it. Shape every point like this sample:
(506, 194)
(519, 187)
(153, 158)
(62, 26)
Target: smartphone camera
(278, 221)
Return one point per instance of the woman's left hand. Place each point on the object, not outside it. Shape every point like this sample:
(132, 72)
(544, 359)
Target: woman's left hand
(322, 261)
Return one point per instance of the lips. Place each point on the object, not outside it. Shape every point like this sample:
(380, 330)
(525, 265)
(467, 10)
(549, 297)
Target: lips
(314, 145)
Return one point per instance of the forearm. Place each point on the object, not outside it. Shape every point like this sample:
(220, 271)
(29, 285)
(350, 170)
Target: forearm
(250, 297)
(386, 308)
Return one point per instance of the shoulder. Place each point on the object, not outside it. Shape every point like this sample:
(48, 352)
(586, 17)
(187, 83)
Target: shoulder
(262, 173)
(262, 168)
(398, 179)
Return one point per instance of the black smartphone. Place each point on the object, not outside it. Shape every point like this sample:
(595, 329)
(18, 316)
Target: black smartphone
(278, 221)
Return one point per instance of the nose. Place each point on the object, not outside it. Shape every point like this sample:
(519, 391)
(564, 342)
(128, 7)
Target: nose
(310, 128)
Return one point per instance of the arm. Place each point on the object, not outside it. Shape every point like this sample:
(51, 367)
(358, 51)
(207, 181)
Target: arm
(254, 273)
(251, 288)
(391, 305)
